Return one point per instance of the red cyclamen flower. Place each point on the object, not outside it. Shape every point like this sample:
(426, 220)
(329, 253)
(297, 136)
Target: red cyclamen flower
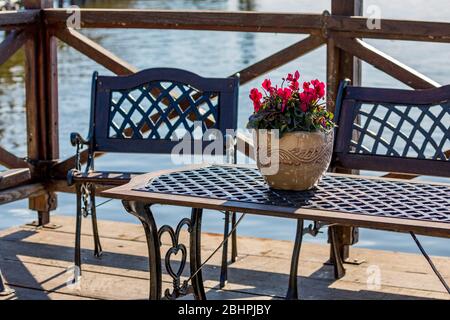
(267, 85)
(294, 77)
(285, 94)
(319, 88)
(256, 96)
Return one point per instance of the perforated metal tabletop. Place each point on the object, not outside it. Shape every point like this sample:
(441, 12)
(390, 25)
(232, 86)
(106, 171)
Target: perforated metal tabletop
(344, 194)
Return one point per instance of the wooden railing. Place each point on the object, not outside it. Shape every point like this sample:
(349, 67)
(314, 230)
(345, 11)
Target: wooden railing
(38, 27)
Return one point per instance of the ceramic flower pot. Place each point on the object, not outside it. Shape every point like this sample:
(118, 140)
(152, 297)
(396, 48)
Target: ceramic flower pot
(297, 162)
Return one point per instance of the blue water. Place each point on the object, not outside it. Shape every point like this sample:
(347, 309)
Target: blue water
(208, 54)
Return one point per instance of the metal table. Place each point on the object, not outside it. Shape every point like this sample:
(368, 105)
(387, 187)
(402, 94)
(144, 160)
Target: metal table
(378, 203)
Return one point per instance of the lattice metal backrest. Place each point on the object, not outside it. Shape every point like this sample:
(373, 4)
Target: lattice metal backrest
(149, 111)
(395, 130)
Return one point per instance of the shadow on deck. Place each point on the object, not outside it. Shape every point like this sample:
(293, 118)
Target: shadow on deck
(35, 263)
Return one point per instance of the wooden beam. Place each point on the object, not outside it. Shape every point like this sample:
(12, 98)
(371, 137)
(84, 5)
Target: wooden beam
(41, 107)
(17, 19)
(341, 65)
(189, 20)
(356, 27)
(385, 63)
(280, 58)
(245, 145)
(11, 161)
(22, 192)
(12, 42)
(13, 178)
(94, 51)
(257, 22)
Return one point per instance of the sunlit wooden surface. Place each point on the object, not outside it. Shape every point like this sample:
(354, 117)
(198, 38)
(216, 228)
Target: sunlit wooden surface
(35, 261)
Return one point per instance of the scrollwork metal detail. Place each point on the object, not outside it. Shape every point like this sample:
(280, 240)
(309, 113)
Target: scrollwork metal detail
(86, 199)
(179, 289)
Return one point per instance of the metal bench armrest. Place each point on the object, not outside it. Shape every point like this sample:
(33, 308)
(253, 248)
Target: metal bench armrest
(77, 140)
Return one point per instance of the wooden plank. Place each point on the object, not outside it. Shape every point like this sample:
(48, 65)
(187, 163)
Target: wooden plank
(94, 51)
(255, 22)
(245, 145)
(17, 19)
(332, 74)
(13, 178)
(22, 192)
(392, 29)
(12, 42)
(190, 20)
(312, 253)
(37, 255)
(11, 161)
(385, 63)
(40, 295)
(280, 58)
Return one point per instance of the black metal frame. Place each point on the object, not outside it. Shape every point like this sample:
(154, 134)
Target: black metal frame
(154, 241)
(195, 91)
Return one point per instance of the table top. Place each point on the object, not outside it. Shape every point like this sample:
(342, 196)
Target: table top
(380, 203)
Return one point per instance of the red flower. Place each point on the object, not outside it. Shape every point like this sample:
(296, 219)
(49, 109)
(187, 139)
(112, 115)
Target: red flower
(267, 85)
(294, 85)
(285, 94)
(319, 88)
(307, 97)
(256, 96)
(294, 77)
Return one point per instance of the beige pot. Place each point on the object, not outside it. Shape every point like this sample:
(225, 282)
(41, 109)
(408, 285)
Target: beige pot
(299, 160)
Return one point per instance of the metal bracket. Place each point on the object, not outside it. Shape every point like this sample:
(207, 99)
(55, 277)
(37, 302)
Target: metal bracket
(50, 226)
(314, 230)
(351, 261)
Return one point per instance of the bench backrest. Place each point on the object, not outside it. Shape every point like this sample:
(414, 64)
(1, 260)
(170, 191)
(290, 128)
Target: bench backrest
(142, 113)
(406, 131)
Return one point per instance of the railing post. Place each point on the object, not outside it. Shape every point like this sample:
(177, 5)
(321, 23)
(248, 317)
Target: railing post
(41, 107)
(341, 65)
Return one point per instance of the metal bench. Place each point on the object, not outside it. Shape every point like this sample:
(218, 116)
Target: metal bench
(404, 132)
(141, 113)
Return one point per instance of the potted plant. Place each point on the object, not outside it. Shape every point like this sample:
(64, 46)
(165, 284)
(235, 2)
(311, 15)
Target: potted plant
(293, 132)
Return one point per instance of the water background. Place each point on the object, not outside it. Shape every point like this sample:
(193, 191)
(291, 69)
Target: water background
(209, 54)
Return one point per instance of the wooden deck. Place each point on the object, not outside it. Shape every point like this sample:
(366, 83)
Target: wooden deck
(34, 262)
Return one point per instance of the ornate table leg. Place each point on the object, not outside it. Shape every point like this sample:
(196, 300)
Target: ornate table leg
(144, 214)
(292, 293)
(4, 289)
